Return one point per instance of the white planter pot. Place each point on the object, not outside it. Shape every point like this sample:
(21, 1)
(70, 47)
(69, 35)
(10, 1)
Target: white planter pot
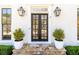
(59, 44)
(18, 44)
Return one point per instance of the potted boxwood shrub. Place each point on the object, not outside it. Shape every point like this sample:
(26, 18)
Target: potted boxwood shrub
(59, 36)
(18, 35)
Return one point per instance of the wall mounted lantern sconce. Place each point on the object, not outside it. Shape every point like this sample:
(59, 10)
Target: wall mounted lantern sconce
(57, 11)
(21, 11)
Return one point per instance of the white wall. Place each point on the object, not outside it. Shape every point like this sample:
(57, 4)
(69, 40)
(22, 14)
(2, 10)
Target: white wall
(22, 22)
(67, 21)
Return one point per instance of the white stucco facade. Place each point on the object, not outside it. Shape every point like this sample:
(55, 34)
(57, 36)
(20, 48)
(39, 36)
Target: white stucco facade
(67, 21)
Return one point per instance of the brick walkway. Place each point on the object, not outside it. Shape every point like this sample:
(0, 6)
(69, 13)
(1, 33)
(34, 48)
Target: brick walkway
(39, 50)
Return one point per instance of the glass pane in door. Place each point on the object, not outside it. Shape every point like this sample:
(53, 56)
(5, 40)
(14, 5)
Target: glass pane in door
(44, 27)
(35, 26)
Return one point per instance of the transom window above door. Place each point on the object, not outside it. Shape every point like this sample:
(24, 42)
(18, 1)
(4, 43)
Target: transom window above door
(6, 23)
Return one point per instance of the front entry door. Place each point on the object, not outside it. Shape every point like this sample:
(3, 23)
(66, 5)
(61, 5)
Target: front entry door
(39, 26)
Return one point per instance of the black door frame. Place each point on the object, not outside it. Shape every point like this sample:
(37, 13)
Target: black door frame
(38, 40)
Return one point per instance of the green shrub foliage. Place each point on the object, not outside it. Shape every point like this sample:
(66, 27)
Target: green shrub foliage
(6, 49)
(59, 34)
(18, 35)
(72, 50)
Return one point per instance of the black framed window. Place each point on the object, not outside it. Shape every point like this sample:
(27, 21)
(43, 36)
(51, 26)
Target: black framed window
(39, 27)
(78, 23)
(6, 23)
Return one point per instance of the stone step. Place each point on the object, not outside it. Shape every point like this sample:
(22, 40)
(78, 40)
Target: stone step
(40, 50)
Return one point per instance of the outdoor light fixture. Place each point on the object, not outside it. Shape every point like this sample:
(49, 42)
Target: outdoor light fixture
(21, 11)
(57, 11)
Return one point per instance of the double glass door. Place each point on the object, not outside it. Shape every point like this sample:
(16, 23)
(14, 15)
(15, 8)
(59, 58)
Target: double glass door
(39, 26)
